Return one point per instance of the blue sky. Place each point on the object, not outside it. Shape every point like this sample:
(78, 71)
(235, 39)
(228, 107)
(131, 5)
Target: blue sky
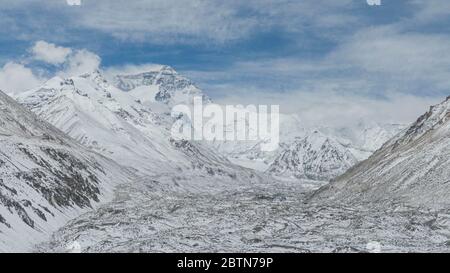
(305, 51)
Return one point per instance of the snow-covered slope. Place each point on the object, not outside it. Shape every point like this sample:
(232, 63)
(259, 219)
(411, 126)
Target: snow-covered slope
(120, 125)
(315, 157)
(46, 178)
(412, 168)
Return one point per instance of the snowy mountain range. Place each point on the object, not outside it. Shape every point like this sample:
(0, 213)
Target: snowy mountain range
(123, 125)
(326, 153)
(356, 143)
(100, 137)
(299, 148)
(104, 132)
(412, 168)
(129, 121)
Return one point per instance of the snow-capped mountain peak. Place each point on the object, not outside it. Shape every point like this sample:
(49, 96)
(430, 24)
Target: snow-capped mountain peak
(315, 156)
(163, 84)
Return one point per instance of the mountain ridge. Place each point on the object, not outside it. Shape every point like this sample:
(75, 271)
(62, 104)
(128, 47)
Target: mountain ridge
(412, 168)
(46, 177)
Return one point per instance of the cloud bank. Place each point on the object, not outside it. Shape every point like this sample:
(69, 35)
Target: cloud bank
(15, 78)
(50, 53)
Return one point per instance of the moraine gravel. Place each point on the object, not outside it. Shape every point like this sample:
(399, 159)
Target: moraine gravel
(167, 214)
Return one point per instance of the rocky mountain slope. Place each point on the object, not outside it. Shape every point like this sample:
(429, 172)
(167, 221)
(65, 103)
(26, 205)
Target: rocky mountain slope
(412, 168)
(46, 178)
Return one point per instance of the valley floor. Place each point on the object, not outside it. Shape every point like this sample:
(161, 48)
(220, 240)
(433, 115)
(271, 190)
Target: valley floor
(163, 214)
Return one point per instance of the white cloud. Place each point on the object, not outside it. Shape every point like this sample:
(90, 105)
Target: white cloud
(50, 53)
(165, 20)
(387, 50)
(336, 109)
(374, 62)
(430, 10)
(406, 61)
(213, 21)
(74, 2)
(72, 61)
(15, 78)
(380, 74)
(82, 61)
